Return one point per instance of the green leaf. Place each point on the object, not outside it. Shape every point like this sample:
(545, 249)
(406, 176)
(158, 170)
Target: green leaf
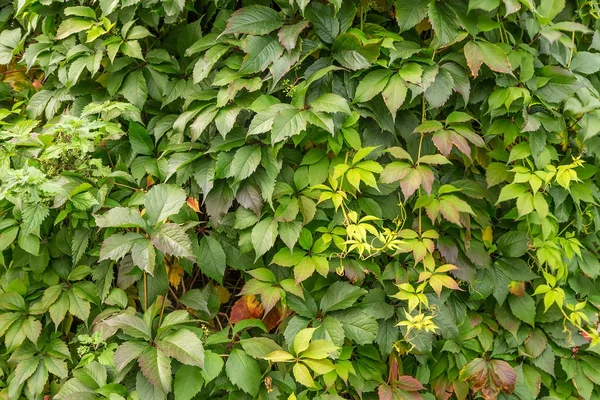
(245, 161)
(513, 244)
(131, 325)
(172, 239)
(443, 21)
(184, 346)
(494, 57)
(371, 85)
(259, 347)
(116, 246)
(127, 352)
(79, 244)
(394, 94)
(330, 103)
(243, 371)
(140, 139)
(156, 367)
(288, 35)
(211, 258)
(264, 235)
(188, 382)
(261, 52)
(485, 5)
(121, 217)
(135, 89)
(162, 201)
(143, 255)
(512, 191)
(340, 296)
(71, 26)
(358, 326)
(410, 12)
(254, 20)
(523, 308)
(549, 9)
(586, 63)
(286, 124)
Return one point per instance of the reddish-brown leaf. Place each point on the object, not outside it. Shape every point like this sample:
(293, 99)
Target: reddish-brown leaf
(385, 392)
(517, 288)
(408, 383)
(273, 318)
(247, 307)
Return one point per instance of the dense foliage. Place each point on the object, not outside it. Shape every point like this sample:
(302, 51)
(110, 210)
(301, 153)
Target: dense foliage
(297, 199)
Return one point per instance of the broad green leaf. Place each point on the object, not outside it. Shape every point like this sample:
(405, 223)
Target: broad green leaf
(254, 20)
(523, 308)
(121, 217)
(443, 21)
(243, 371)
(116, 246)
(286, 124)
(261, 51)
(131, 325)
(340, 296)
(156, 367)
(394, 94)
(513, 244)
(127, 352)
(330, 103)
(494, 57)
(245, 161)
(371, 85)
(71, 26)
(288, 34)
(140, 139)
(184, 346)
(410, 12)
(188, 382)
(264, 235)
(162, 201)
(211, 258)
(172, 239)
(135, 89)
(358, 326)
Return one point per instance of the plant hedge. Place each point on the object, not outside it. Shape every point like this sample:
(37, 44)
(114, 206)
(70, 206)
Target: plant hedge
(297, 199)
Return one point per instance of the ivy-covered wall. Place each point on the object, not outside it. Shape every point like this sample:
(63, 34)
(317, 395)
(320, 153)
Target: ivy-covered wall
(296, 199)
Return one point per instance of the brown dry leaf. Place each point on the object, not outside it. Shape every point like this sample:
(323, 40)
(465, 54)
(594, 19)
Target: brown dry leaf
(193, 203)
(247, 307)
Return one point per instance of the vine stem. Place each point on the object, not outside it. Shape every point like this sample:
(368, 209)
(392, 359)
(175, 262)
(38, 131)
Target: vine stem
(145, 291)
(423, 118)
(162, 309)
(572, 50)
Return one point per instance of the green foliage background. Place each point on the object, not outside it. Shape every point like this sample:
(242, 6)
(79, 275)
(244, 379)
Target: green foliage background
(299, 199)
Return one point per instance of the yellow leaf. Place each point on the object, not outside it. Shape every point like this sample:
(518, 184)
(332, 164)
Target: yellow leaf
(487, 234)
(175, 274)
